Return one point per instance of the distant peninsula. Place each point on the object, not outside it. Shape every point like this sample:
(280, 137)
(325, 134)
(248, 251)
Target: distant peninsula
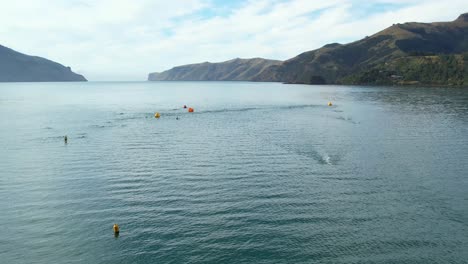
(19, 67)
(409, 53)
(232, 70)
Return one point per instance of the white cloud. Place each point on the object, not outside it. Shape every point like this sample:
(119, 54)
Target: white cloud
(124, 39)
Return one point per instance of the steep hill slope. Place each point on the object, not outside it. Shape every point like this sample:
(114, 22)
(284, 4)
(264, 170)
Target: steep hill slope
(336, 63)
(18, 67)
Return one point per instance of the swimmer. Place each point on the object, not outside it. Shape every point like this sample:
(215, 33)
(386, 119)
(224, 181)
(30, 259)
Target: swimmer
(65, 139)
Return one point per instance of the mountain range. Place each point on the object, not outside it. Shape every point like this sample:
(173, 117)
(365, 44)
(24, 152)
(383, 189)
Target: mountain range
(409, 53)
(19, 67)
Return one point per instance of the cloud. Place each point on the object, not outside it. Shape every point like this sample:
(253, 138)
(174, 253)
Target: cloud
(124, 39)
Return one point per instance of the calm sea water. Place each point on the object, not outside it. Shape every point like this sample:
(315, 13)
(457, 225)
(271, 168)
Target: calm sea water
(260, 173)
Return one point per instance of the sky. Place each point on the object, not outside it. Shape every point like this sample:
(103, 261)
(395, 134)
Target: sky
(124, 40)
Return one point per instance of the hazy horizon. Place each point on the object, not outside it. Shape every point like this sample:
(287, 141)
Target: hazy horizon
(124, 41)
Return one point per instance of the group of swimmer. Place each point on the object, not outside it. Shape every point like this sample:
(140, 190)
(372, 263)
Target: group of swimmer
(116, 227)
(191, 110)
(157, 115)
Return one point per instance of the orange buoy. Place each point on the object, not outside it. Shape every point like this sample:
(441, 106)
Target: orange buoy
(190, 110)
(116, 229)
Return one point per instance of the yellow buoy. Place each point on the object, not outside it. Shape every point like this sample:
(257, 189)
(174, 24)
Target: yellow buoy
(330, 104)
(116, 228)
(157, 115)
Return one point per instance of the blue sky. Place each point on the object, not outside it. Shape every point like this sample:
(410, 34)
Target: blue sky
(127, 39)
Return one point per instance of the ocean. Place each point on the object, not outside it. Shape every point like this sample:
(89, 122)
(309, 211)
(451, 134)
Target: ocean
(259, 173)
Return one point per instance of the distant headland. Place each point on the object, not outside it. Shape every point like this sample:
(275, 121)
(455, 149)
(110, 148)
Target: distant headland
(231, 70)
(19, 67)
(410, 53)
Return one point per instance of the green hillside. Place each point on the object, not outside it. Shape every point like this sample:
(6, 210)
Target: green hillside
(426, 53)
(428, 70)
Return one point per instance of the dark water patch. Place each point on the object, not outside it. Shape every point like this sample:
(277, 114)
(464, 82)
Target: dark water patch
(99, 126)
(348, 178)
(80, 135)
(48, 139)
(347, 119)
(300, 106)
(320, 157)
(359, 193)
(227, 110)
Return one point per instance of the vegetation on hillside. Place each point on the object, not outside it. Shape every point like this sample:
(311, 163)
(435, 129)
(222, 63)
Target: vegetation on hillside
(442, 69)
(410, 53)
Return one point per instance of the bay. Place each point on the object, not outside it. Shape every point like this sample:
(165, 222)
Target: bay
(259, 173)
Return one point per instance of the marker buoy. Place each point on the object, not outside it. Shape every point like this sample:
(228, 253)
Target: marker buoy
(157, 115)
(330, 104)
(116, 229)
(190, 110)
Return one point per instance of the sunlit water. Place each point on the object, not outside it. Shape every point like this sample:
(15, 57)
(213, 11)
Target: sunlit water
(260, 173)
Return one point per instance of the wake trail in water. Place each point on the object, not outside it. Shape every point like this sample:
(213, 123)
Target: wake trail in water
(178, 112)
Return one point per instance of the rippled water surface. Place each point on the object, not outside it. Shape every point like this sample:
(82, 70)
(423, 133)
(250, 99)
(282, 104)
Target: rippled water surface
(260, 173)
